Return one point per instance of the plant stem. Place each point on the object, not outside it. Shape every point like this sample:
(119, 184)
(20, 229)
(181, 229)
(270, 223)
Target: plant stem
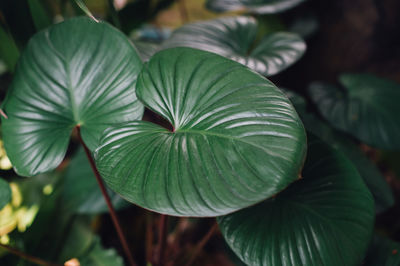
(114, 14)
(28, 257)
(162, 240)
(183, 11)
(149, 237)
(201, 244)
(113, 214)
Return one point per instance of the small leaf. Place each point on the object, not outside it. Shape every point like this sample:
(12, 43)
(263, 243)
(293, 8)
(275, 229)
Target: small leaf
(367, 108)
(98, 256)
(236, 140)
(5, 193)
(326, 218)
(8, 49)
(85, 9)
(383, 252)
(234, 38)
(40, 17)
(252, 6)
(81, 192)
(78, 72)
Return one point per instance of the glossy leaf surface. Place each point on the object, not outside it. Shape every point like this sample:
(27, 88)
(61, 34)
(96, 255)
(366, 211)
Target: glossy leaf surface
(383, 252)
(234, 37)
(5, 193)
(78, 72)
(252, 6)
(376, 183)
(326, 218)
(81, 192)
(367, 108)
(236, 141)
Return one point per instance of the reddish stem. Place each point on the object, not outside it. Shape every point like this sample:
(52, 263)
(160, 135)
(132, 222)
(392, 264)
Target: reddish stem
(28, 257)
(162, 240)
(149, 237)
(113, 214)
(201, 244)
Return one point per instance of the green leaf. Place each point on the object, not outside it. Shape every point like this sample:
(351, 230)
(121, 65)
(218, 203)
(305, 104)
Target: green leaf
(81, 192)
(8, 49)
(371, 175)
(252, 6)
(383, 252)
(326, 218)
(367, 108)
(81, 4)
(236, 140)
(146, 49)
(98, 256)
(5, 193)
(40, 17)
(235, 37)
(78, 72)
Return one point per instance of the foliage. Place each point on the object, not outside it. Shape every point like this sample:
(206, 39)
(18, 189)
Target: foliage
(186, 125)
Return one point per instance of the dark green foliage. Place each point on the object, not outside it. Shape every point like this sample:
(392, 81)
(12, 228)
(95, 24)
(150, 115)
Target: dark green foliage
(325, 218)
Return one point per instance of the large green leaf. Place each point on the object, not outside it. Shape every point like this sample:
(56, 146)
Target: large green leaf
(81, 192)
(383, 252)
(236, 138)
(234, 38)
(371, 175)
(5, 193)
(367, 108)
(78, 72)
(252, 6)
(326, 218)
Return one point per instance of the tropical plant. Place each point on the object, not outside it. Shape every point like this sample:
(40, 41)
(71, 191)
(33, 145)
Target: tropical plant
(186, 128)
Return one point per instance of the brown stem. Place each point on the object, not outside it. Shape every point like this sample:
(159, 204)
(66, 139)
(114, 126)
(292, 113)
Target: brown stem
(149, 237)
(162, 240)
(28, 257)
(183, 11)
(201, 244)
(113, 214)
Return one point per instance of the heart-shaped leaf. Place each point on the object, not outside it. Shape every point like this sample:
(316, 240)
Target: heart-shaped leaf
(252, 6)
(236, 138)
(326, 218)
(5, 193)
(383, 252)
(234, 37)
(81, 193)
(78, 72)
(367, 108)
(371, 175)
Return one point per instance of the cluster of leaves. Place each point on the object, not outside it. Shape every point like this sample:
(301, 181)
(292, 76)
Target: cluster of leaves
(235, 146)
